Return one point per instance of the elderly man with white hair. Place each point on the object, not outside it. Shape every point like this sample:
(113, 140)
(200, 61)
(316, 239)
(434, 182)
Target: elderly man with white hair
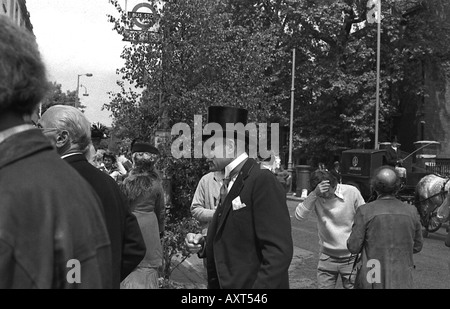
(70, 132)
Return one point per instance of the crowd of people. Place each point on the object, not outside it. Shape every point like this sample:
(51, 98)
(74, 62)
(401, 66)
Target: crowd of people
(64, 201)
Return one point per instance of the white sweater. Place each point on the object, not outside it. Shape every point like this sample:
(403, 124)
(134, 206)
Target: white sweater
(335, 218)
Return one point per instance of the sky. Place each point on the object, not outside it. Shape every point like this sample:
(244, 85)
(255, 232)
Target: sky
(75, 37)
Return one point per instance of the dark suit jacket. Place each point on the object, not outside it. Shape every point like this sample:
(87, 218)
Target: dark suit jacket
(128, 247)
(251, 247)
(49, 215)
(392, 156)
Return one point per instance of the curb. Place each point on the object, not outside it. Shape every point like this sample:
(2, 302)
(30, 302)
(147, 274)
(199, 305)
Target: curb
(292, 197)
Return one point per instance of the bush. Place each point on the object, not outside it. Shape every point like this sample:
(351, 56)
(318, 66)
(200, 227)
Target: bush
(181, 177)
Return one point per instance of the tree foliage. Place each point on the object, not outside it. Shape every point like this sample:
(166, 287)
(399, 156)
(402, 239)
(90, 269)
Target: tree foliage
(56, 96)
(336, 68)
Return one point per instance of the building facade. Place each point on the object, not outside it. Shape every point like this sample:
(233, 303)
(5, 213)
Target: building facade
(426, 117)
(17, 11)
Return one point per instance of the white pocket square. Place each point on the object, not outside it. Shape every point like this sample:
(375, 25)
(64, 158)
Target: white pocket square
(237, 204)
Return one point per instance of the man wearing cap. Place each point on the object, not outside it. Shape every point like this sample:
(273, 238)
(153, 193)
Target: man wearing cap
(387, 232)
(72, 136)
(249, 242)
(144, 191)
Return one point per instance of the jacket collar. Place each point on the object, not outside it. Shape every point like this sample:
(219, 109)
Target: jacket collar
(21, 145)
(218, 176)
(14, 130)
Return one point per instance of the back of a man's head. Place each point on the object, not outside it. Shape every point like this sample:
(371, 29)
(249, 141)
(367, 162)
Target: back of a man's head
(23, 81)
(385, 180)
(70, 119)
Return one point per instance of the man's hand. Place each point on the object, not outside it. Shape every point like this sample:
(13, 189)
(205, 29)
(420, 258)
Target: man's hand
(322, 188)
(194, 242)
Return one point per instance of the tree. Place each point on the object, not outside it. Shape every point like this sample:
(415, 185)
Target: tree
(336, 68)
(55, 96)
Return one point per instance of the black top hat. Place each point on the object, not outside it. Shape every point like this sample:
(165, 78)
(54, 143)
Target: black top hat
(226, 114)
(144, 147)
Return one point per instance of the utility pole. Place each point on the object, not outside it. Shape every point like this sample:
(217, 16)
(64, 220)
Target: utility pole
(290, 164)
(377, 108)
(371, 18)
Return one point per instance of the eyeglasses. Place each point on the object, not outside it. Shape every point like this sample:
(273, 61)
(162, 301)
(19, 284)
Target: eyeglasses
(45, 130)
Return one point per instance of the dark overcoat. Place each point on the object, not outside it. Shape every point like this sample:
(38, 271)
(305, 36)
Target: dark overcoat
(392, 156)
(50, 217)
(127, 243)
(249, 246)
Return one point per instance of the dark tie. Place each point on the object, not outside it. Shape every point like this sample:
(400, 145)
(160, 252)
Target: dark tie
(224, 189)
(226, 182)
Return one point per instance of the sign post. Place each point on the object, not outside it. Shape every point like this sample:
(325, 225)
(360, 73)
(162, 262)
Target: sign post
(144, 21)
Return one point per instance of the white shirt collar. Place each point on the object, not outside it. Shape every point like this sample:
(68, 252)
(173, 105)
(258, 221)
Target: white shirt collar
(338, 192)
(218, 175)
(14, 130)
(71, 154)
(235, 163)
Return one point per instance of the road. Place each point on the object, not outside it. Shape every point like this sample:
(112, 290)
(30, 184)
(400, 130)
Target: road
(432, 263)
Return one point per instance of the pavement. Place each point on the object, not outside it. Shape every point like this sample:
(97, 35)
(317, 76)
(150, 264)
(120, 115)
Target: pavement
(191, 274)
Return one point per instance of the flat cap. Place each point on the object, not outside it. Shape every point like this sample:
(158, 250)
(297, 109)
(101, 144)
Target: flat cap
(144, 147)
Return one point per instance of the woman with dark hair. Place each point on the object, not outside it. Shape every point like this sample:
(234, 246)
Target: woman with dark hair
(143, 188)
(112, 167)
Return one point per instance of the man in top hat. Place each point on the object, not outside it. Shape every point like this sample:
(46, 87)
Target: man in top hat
(249, 242)
(72, 136)
(393, 157)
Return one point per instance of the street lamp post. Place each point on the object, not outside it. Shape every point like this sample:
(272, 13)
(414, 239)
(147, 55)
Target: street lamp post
(77, 99)
(85, 94)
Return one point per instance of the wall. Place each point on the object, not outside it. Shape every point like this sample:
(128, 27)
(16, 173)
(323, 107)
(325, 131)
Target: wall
(17, 11)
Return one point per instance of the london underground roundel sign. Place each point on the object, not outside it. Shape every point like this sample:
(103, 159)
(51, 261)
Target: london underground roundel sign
(144, 20)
